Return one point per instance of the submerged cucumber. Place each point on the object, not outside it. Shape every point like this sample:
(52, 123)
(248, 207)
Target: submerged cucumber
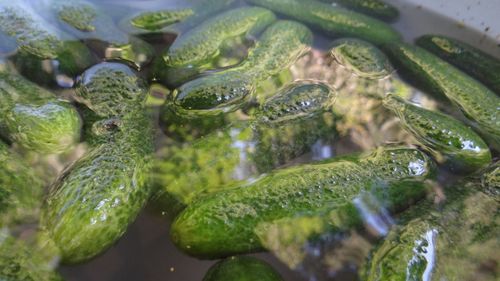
(456, 241)
(362, 58)
(375, 8)
(285, 126)
(442, 135)
(472, 61)
(277, 49)
(333, 20)
(86, 21)
(223, 223)
(290, 237)
(35, 118)
(242, 269)
(156, 20)
(201, 45)
(95, 199)
(477, 102)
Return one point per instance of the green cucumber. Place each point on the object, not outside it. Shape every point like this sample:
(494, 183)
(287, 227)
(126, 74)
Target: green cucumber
(223, 223)
(156, 20)
(286, 126)
(362, 58)
(277, 49)
(375, 8)
(35, 118)
(289, 237)
(201, 45)
(478, 103)
(86, 21)
(454, 241)
(334, 21)
(242, 269)
(467, 58)
(95, 199)
(441, 134)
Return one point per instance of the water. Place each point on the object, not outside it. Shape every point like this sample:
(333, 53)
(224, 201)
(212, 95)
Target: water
(146, 252)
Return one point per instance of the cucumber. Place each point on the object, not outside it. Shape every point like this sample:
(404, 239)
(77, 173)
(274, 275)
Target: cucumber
(375, 8)
(34, 118)
(278, 48)
(86, 21)
(286, 126)
(223, 223)
(334, 21)
(432, 74)
(467, 58)
(362, 58)
(201, 45)
(156, 20)
(290, 238)
(444, 136)
(452, 242)
(242, 269)
(94, 200)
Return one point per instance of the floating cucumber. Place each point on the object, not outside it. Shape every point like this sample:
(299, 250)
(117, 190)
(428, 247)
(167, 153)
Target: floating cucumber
(472, 61)
(20, 189)
(289, 238)
(155, 20)
(442, 134)
(242, 269)
(86, 21)
(21, 261)
(375, 8)
(457, 241)
(362, 58)
(35, 118)
(477, 102)
(201, 45)
(95, 199)
(223, 223)
(277, 49)
(333, 20)
(286, 126)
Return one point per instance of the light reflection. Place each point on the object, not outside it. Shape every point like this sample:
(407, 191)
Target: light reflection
(425, 251)
(374, 215)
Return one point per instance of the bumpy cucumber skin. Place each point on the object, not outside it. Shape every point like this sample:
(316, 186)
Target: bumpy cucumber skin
(35, 118)
(157, 20)
(242, 269)
(201, 45)
(470, 60)
(452, 243)
(278, 48)
(375, 8)
(284, 127)
(429, 72)
(442, 134)
(95, 199)
(333, 20)
(21, 262)
(362, 58)
(223, 223)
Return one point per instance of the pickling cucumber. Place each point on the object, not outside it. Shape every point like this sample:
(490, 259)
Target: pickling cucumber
(453, 241)
(285, 126)
(34, 118)
(375, 8)
(86, 21)
(223, 223)
(277, 49)
(242, 269)
(442, 135)
(156, 20)
(362, 58)
(427, 71)
(95, 199)
(467, 58)
(289, 237)
(334, 21)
